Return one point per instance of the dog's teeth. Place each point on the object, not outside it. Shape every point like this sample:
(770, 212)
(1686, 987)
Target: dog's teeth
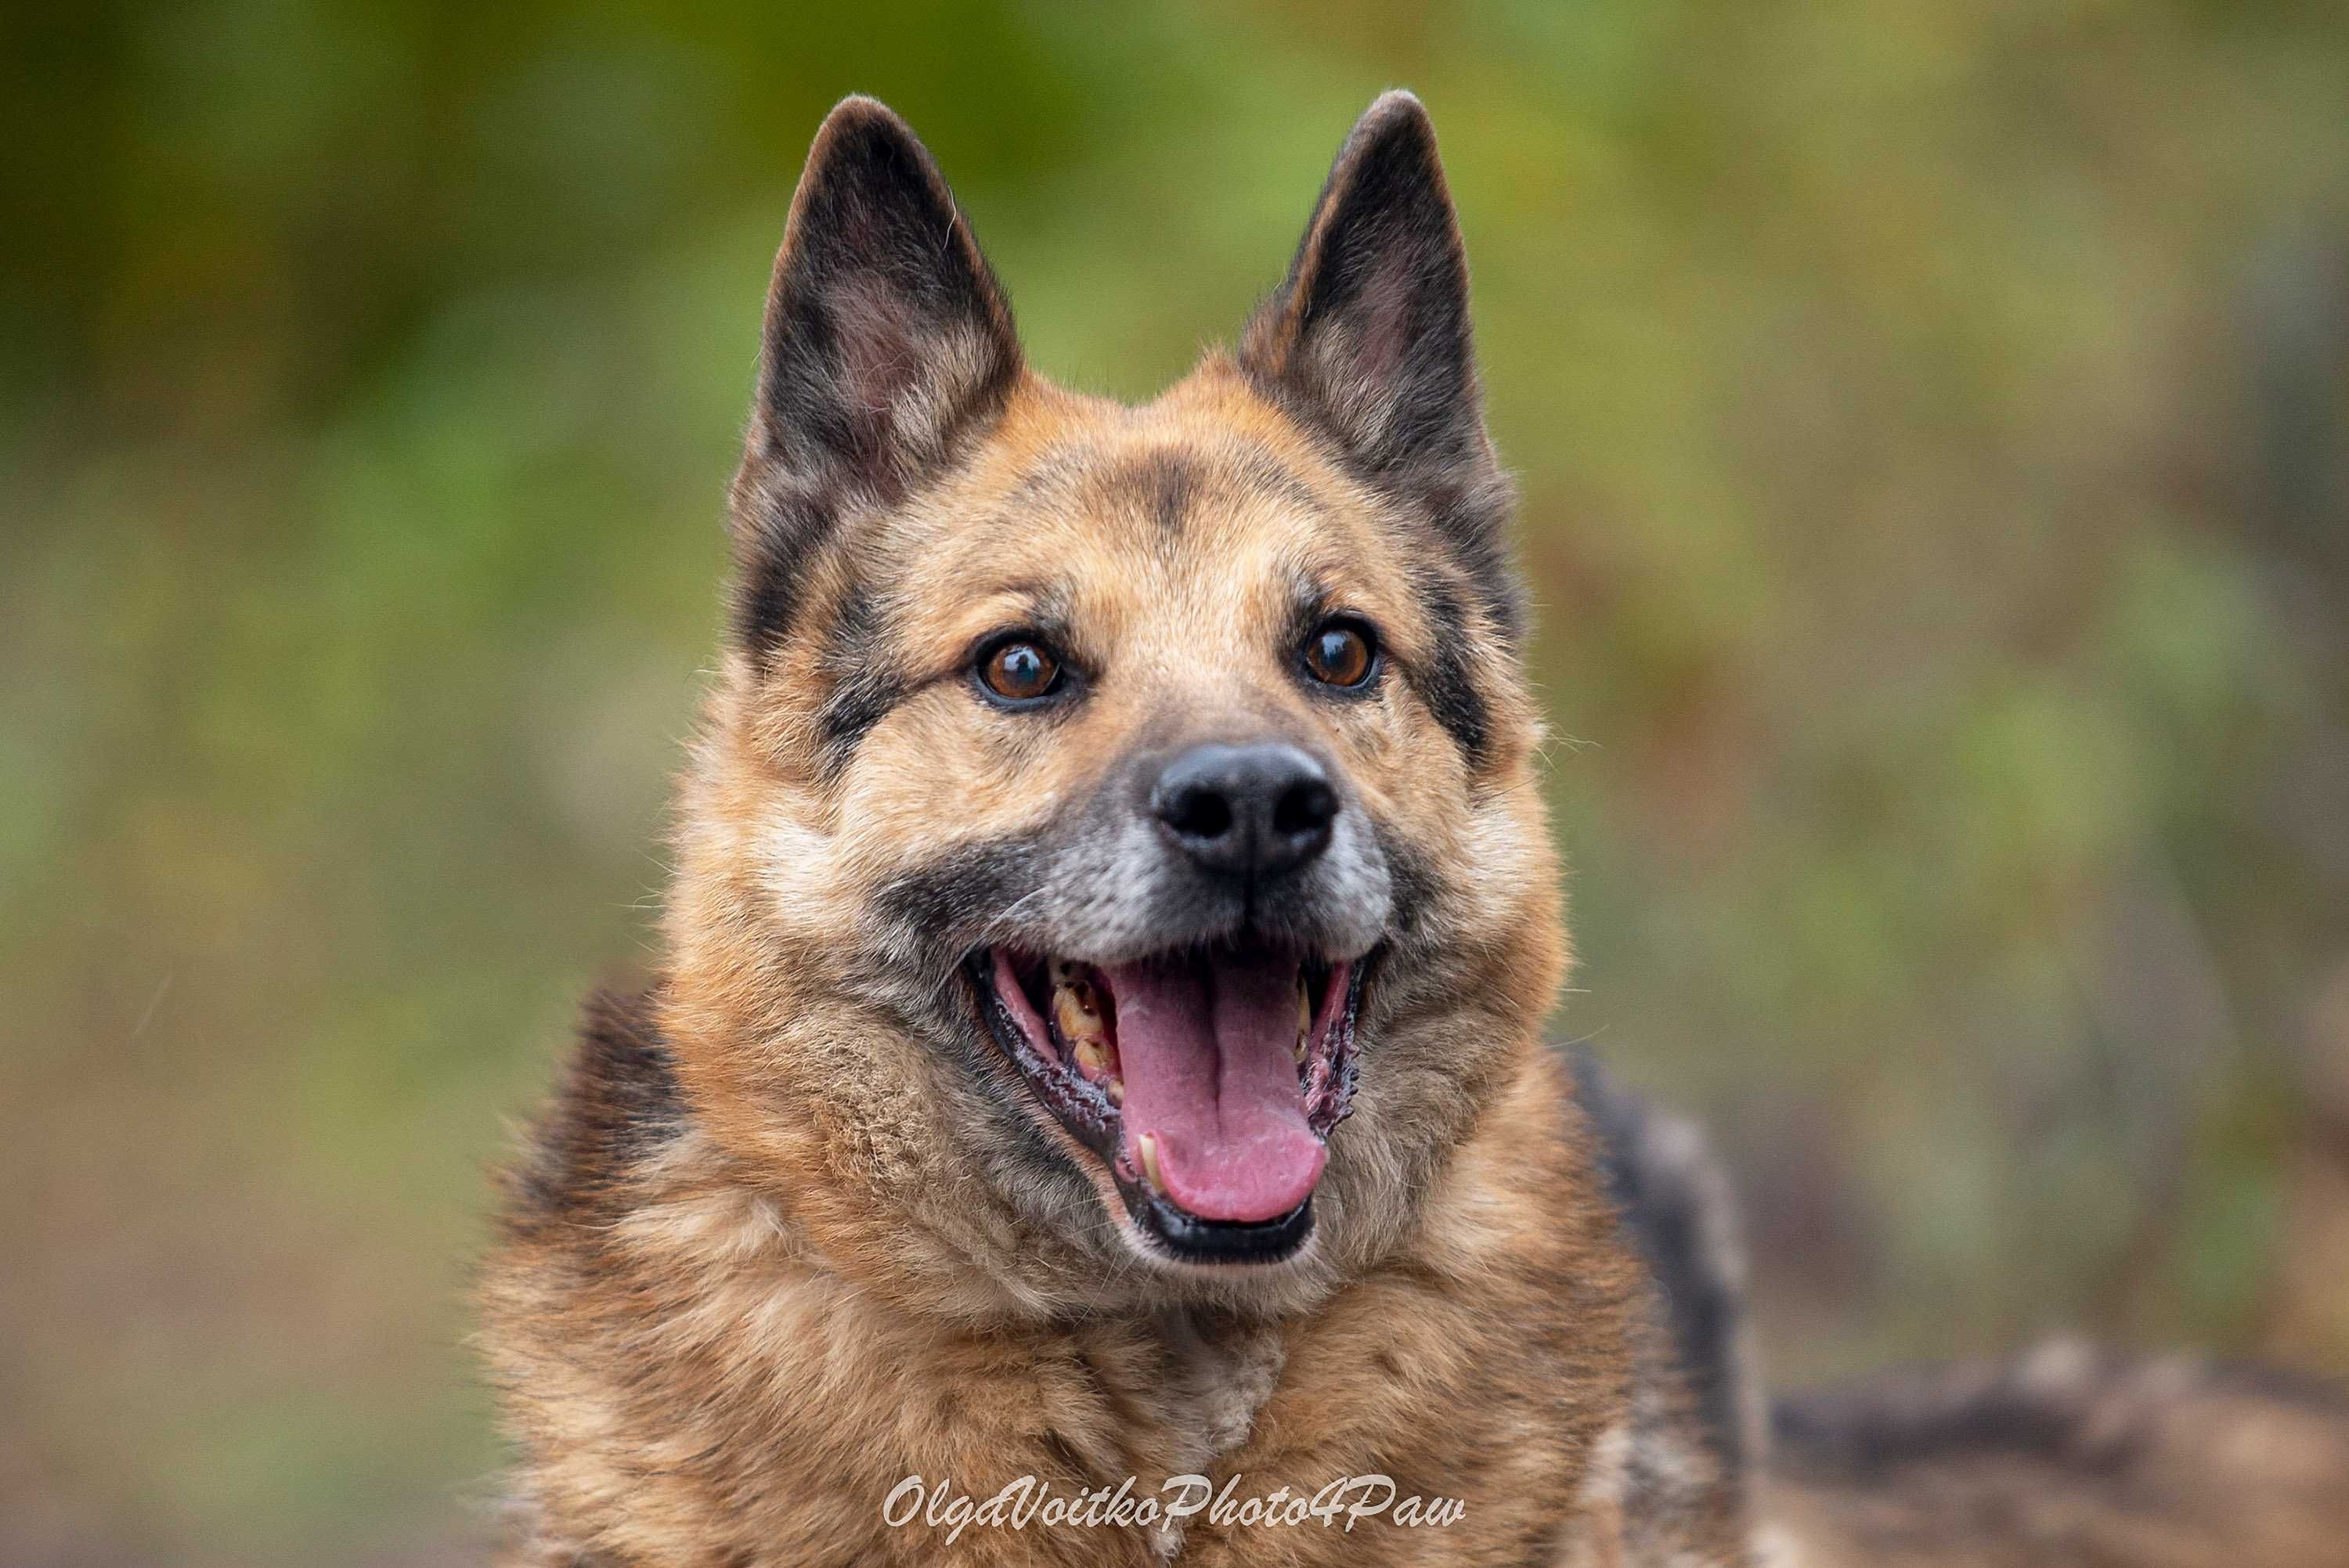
(1077, 1013)
(1076, 1010)
(1146, 1146)
(1304, 1020)
(1115, 1090)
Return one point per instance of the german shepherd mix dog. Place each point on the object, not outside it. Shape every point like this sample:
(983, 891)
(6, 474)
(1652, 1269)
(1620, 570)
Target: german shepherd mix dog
(1098, 1042)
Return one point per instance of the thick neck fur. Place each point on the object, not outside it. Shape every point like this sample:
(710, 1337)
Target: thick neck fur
(700, 1368)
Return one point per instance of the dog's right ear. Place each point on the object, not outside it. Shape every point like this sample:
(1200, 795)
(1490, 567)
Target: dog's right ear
(887, 338)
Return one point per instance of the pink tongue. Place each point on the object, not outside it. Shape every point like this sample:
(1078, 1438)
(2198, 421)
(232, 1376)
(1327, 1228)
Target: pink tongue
(1205, 1051)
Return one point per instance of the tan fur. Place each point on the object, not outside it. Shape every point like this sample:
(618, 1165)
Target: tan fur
(716, 1393)
(775, 865)
(812, 1298)
(727, 1343)
(795, 1228)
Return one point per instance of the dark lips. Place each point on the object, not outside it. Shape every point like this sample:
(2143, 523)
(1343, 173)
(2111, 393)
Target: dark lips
(1186, 1236)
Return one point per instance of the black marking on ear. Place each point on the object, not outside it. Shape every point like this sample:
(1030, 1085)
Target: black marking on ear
(866, 682)
(1445, 681)
(887, 338)
(1367, 342)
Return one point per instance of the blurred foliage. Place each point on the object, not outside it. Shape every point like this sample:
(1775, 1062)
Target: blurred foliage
(1932, 421)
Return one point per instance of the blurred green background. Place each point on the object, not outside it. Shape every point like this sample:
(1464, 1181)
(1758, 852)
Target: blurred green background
(1934, 427)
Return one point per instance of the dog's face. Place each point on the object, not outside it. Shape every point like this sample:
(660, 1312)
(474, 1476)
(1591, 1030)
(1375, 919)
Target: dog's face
(1103, 804)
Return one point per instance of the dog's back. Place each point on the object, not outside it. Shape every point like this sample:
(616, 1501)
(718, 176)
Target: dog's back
(2066, 1457)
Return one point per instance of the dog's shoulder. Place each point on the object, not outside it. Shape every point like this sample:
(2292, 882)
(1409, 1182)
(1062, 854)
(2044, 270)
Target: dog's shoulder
(1679, 1211)
(617, 1102)
(1690, 1456)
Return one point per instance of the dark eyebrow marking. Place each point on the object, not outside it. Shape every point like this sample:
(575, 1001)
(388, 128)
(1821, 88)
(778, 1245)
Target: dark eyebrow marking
(1169, 482)
(1471, 520)
(1466, 517)
(1164, 483)
(867, 675)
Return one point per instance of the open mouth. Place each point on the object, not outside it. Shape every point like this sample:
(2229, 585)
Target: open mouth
(1206, 1081)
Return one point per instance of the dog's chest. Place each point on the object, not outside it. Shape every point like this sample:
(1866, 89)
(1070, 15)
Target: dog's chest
(1219, 1376)
(1187, 1389)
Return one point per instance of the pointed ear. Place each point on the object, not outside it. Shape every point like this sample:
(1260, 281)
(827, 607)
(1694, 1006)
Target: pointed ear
(1367, 336)
(886, 339)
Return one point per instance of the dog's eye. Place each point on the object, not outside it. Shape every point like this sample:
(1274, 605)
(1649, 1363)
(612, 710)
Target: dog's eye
(1340, 654)
(1017, 670)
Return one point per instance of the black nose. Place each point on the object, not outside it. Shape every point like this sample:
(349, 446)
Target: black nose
(1246, 810)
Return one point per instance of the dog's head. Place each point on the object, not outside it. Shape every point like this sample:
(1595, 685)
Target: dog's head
(1102, 805)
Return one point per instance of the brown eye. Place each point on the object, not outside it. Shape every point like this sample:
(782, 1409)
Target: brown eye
(1340, 654)
(1020, 671)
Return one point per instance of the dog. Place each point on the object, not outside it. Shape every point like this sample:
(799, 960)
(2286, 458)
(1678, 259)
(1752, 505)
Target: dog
(1096, 1058)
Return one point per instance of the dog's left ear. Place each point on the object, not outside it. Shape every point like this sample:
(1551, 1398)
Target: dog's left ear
(1368, 334)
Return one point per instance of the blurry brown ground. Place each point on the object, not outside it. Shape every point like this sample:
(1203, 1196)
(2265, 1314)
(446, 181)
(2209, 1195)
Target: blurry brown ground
(1934, 427)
